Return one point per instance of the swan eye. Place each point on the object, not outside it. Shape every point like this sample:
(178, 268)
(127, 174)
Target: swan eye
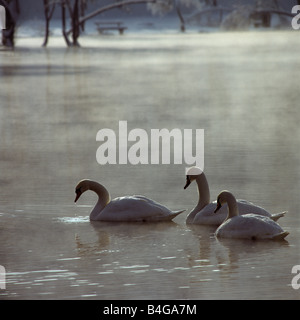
(78, 193)
(78, 190)
(219, 205)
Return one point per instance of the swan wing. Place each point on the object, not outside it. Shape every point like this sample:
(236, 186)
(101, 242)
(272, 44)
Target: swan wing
(246, 207)
(207, 215)
(136, 208)
(250, 226)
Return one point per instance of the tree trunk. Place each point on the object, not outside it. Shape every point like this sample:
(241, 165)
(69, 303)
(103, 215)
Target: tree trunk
(182, 22)
(48, 15)
(75, 24)
(46, 33)
(63, 19)
(82, 11)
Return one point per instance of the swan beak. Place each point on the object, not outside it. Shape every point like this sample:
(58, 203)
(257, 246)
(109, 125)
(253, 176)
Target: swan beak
(78, 194)
(188, 182)
(218, 207)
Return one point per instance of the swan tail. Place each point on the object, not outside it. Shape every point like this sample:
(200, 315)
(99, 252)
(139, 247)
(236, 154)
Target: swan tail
(280, 236)
(276, 216)
(175, 214)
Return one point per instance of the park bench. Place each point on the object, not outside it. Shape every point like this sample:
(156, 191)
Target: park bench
(110, 25)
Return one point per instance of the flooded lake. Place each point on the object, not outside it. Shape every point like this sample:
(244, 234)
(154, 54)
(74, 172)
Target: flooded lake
(241, 88)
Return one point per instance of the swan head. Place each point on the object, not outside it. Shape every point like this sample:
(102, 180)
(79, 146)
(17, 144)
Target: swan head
(222, 199)
(81, 187)
(191, 175)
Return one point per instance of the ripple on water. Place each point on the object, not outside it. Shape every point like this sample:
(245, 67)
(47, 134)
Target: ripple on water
(77, 219)
(37, 277)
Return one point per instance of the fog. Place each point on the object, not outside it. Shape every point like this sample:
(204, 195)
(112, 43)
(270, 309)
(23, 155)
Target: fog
(238, 90)
(241, 88)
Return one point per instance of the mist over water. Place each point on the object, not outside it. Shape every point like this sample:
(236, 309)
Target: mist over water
(241, 88)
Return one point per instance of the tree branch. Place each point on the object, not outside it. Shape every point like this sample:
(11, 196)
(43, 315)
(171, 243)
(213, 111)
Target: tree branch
(285, 13)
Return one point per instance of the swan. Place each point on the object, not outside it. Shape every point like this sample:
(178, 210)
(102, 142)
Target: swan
(128, 208)
(248, 226)
(203, 213)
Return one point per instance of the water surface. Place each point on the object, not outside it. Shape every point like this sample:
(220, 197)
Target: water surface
(241, 88)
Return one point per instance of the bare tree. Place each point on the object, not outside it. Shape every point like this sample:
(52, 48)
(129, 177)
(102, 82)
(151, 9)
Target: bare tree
(66, 7)
(258, 14)
(48, 11)
(75, 9)
(199, 7)
(165, 6)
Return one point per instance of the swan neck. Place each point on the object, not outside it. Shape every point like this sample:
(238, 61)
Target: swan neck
(203, 191)
(103, 198)
(203, 196)
(232, 207)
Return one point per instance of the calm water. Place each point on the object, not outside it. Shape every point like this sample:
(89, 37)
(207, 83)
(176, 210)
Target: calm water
(241, 88)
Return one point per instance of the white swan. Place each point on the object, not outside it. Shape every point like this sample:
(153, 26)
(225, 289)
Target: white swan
(128, 208)
(203, 213)
(248, 226)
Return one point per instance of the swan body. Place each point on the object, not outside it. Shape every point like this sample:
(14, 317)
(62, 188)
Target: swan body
(129, 208)
(203, 213)
(249, 226)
